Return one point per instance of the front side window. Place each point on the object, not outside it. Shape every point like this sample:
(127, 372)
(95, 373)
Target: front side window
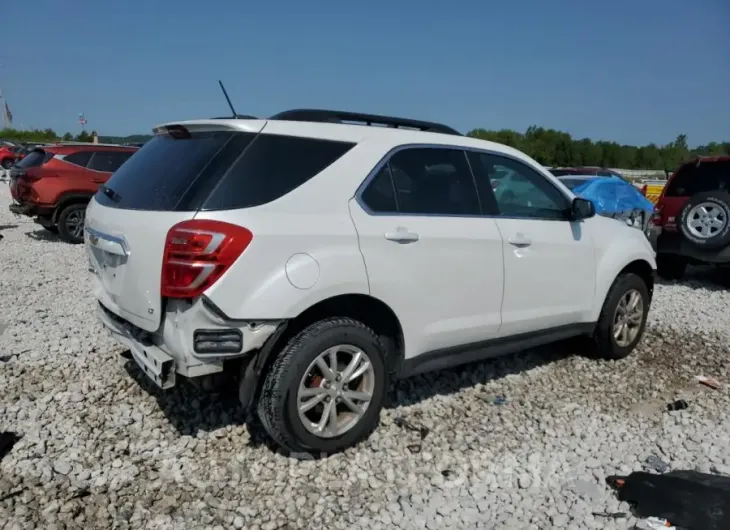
(519, 190)
(425, 181)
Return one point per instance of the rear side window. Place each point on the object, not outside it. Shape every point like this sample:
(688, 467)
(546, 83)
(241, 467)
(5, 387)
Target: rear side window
(424, 181)
(108, 161)
(161, 172)
(271, 167)
(573, 183)
(80, 158)
(693, 178)
(35, 158)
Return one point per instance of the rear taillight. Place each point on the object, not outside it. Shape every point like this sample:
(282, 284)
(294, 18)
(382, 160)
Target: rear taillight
(656, 218)
(643, 189)
(32, 174)
(197, 253)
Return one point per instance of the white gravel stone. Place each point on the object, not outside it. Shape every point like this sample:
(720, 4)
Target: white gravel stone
(102, 447)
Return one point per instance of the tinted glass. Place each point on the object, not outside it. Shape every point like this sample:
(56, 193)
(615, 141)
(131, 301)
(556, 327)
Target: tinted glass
(108, 161)
(379, 196)
(561, 172)
(693, 178)
(572, 183)
(35, 158)
(271, 167)
(80, 158)
(434, 181)
(158, 175)
(525, 192)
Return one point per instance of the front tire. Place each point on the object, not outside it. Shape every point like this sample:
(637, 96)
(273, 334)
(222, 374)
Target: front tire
(325, 389)
(71, 223)
(623, 317)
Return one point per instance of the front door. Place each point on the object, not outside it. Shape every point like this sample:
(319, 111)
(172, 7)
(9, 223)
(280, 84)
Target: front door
(549, 261)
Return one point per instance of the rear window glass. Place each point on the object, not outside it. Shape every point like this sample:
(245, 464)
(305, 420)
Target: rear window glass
(573, 183)
(693, 178)
(35, 158)
(159, 174)
(561, 172)
(218, 170)
(271, 167)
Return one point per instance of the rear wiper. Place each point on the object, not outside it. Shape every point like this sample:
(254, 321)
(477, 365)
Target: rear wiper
(113, 195)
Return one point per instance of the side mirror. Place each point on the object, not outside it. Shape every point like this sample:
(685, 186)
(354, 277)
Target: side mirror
(581, 209)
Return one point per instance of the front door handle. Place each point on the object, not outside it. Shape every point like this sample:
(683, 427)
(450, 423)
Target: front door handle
(402, 235)
(520, 241)
(98, 181)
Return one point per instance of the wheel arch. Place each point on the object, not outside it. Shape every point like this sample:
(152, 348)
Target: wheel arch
(639, 265)
(69, 199)
(367, 309)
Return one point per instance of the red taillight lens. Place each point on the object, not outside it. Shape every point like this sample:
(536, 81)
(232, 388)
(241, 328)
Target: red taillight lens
(31, 174)
(198, 253)
(643, 189)
(656, 219)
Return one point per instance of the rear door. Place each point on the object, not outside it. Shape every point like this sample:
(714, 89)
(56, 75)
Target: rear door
(429, 252)
(128, 219)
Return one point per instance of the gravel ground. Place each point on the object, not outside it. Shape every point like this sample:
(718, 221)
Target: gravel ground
(102, 448)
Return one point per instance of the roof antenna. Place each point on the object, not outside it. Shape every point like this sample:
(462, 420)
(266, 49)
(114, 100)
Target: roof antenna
(228, 99)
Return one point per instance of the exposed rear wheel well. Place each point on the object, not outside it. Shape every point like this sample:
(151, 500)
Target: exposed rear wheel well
(642, 269)
(364, 308)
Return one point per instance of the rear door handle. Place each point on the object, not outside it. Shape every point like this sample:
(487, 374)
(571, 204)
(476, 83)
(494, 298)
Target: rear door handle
(402, 235)
(520, 241)
(98, 181)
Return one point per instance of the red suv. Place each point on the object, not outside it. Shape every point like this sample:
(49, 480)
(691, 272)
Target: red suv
(692, 217)
(9, 154)
(53, 184)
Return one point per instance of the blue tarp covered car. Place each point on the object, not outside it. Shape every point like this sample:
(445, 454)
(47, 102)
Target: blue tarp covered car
(612, 197)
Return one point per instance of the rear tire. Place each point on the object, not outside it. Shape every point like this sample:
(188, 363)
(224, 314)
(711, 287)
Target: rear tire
(611, 343)
(670, 267)
(71, 223)
(295, 370)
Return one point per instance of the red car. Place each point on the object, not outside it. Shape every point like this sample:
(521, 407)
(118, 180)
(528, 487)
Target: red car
(9, 155)
(692, 217)
(53, 184)
(585, 170)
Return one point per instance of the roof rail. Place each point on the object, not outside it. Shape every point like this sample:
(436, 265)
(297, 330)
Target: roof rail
(336, 116)
(89, 144)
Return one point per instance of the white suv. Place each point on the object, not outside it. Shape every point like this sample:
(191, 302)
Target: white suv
(318, 259)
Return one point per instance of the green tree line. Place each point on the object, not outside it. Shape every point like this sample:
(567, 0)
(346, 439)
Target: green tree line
(547, 146)
(49, 135)
(557, 148)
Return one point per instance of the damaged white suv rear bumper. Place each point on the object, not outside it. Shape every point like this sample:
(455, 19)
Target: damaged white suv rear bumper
(192, 340)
